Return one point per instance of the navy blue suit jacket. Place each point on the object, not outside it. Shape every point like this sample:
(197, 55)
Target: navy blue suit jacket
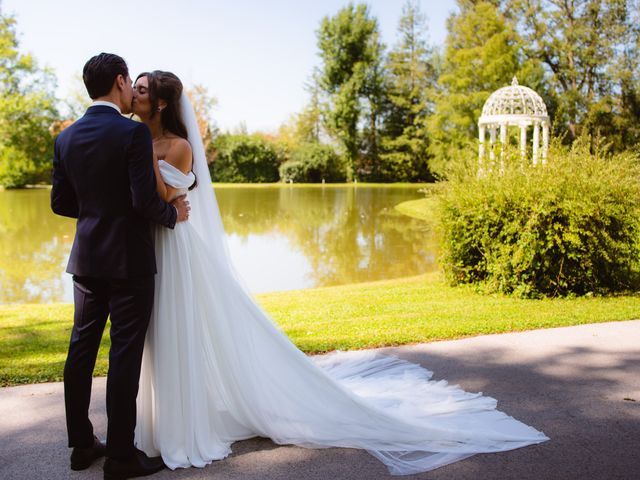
(103, 176)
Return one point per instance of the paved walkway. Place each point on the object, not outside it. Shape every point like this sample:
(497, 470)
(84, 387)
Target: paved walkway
(580, 385)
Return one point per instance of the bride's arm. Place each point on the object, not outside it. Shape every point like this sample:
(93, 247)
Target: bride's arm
(165, 191)
(179, 156)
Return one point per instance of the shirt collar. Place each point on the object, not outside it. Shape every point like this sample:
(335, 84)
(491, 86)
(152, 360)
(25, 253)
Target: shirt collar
(106, 104)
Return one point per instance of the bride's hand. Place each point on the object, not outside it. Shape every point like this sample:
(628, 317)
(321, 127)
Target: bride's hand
(182, 208)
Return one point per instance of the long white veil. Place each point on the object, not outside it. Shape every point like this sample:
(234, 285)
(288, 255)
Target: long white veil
(205, 214)
(256, 382)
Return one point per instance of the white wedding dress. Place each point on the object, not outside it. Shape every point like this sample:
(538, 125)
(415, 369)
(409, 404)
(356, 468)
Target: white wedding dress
(216, 369)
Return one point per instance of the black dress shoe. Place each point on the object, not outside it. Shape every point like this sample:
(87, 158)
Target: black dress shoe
(82, 458)
(139, 465)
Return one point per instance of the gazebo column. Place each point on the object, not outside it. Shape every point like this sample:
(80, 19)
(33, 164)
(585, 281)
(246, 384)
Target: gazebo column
(492, 145)
(523, 141)
(536, 142)
(503, 142)
(545, 142)
(481, 149)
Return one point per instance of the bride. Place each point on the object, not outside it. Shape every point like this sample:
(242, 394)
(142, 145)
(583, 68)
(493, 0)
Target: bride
(216, 369)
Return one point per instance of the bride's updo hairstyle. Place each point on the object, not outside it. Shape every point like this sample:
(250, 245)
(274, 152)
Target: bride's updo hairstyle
(168, 87)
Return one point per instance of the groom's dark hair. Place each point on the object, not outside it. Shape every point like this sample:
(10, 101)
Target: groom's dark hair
(100, 72)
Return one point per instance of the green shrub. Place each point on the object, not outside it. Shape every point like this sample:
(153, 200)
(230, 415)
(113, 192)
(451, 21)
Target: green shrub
(291, 171)
(570, 227)
(244, 158)
(312, 163)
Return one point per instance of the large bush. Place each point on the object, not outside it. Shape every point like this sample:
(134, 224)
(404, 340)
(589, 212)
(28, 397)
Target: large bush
(313, 163)
(241, 158)
(570, 227)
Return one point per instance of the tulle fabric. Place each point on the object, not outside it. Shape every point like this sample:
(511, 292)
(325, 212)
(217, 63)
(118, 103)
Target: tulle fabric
(216, 369)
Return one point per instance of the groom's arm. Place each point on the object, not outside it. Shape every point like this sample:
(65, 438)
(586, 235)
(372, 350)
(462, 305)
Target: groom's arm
(146, 200)
(63, 197)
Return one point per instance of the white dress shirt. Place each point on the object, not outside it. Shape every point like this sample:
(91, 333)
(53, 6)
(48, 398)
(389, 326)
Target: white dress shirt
(106, 104)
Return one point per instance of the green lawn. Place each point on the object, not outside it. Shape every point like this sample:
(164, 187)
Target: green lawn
(33, 338)
(423, 209)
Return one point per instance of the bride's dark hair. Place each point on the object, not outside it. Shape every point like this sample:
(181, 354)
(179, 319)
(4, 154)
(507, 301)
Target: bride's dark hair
(168, 87)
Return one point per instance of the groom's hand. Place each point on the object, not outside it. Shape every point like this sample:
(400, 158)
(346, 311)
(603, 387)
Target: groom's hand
(182, 208)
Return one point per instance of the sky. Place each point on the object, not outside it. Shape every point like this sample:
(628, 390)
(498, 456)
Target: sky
(253, 56)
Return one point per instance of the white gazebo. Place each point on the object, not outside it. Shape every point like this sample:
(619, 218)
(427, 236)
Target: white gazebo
(518, 106)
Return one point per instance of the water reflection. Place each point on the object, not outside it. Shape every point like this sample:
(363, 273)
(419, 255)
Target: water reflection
(280, 238)
(346, 234)
(34, 247)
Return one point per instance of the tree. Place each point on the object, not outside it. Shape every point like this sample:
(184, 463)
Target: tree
(27, 112)
(374, 109)
(411, 86)
(308, 125)
(350, 50)
(304, 127)
(624, 115)
(589, 51)
(483, 51)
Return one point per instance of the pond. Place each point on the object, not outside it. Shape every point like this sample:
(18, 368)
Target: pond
(280, 238)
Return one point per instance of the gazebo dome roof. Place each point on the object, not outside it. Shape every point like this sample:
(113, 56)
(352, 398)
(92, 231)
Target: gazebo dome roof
(514, 104)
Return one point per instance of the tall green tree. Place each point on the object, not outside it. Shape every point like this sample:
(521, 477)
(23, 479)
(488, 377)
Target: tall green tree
(307, 125)
(589, 50)
(375, 99)
(411, 87)
(483, 51)
(27, 112)
(625, 114)
(350, 49)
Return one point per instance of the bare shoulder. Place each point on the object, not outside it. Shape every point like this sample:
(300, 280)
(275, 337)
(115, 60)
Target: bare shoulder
(179, 154)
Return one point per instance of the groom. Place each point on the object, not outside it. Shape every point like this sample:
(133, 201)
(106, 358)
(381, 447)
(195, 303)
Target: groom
(103, 176)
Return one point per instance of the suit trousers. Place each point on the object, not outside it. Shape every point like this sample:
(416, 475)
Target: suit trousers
(128, 302)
